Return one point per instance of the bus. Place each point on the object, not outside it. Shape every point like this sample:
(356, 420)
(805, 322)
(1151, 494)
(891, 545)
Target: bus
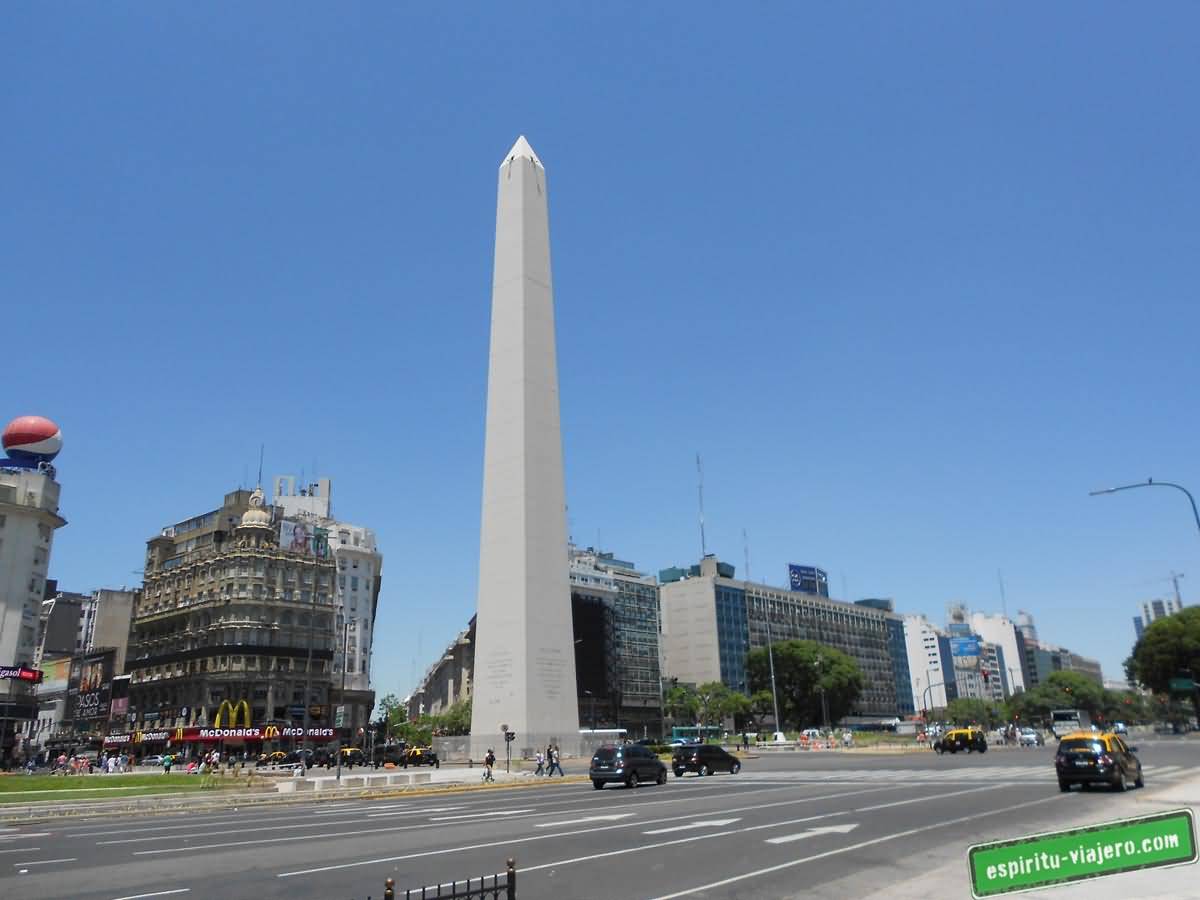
(1064, 721)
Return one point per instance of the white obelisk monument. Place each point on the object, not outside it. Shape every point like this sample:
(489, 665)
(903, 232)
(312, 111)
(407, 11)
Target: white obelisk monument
(524, 674)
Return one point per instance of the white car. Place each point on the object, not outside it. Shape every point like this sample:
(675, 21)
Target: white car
(813, 734)
(152, 761)
(1030, 738)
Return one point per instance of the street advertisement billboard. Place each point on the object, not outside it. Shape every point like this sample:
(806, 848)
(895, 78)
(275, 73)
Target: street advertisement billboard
(964, 646)
(120, 698)
(56, 675)
(90, 686)
(304, 537)
(808, 579)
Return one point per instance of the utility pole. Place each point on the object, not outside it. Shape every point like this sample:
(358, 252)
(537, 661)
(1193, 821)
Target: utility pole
(767, 616)
(1175, 576)
(700, 489)
(342, 696)
(821, 685)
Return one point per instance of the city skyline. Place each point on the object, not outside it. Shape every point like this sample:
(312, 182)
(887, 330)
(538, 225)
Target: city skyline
(908, 321)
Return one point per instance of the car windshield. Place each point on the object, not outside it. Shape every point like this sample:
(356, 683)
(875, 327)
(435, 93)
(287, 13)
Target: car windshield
(1080, 745)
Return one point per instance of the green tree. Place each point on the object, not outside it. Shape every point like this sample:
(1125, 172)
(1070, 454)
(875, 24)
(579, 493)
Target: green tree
(682, 703)
(712, 702)
(391, 712)
(973, 711)
(1168, 648)
(802, 670)
(455, 720)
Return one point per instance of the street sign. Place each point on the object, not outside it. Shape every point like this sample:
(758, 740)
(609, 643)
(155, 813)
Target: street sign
(1041, 860)
(339, 719)
(1182, 685)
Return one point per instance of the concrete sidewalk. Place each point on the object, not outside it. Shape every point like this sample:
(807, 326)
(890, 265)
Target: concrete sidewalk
(951, 879)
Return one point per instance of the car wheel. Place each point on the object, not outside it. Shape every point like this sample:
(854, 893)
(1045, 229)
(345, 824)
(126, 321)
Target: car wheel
(938, 749)
(1141, 782)
(662, 776)
(1064, 786)
(632, 781)
(983, 748)
(1120, 784)
(679, 773)
(597, 784)
(735, 768)
(703, 770)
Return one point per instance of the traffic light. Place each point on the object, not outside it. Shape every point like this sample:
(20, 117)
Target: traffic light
(510, 736)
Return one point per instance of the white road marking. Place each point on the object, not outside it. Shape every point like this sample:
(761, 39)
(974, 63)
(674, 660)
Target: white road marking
(408, 809)
(813, 832)
(155, 894)
(847, 849)
(708, 823)
(46, 862)
(20, 837)
(21, 850)
(529, 839)
(610, 818)
(480, 815)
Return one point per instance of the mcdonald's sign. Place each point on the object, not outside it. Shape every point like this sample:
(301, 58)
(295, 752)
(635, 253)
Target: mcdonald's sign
(242, 706)
(179, 734)
(270, 733)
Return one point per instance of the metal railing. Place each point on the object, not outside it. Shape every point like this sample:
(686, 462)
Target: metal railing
(501, 886)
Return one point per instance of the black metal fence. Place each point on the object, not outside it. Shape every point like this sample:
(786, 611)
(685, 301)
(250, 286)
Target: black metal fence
(501, 886)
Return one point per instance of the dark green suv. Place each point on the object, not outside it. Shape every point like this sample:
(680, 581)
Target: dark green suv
(627, 764)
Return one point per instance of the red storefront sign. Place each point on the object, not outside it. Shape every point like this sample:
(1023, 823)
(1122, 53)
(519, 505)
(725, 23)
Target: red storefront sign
(184, 735)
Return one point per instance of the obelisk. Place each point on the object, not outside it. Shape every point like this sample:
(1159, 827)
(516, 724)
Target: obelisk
(524, 675)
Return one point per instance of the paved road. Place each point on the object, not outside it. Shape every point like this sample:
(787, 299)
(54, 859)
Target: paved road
(847, 823)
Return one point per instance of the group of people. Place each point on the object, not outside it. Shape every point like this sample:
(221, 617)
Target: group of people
(547, 762)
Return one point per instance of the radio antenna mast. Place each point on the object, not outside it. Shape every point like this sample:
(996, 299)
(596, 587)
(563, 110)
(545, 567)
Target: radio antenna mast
(700, 474)
(261, 449)
(1003, 597)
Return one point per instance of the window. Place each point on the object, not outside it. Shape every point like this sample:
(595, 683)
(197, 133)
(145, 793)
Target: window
(342, 582)
(354, 582)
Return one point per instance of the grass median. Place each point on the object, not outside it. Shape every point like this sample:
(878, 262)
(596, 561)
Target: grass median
(59, 788)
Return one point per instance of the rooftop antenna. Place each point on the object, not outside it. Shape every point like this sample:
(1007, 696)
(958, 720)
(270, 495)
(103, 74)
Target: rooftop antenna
(261, 449)
(1003, 597)
(700, 473)
(1175, 576)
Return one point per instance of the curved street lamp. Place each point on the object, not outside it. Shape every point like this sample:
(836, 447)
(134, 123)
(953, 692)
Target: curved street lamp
(1150, 482)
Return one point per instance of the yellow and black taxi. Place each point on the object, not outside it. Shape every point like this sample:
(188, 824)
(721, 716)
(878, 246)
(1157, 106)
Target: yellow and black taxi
(353, 756)
(421, 756)
(1089, 757)
(278, 758)
(956, 739)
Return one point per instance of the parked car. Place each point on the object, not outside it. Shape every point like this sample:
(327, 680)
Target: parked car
(421, 756)
(813, 734)
(1119, 728)
(1031, 737)
(1085, 758)
(353, 756)
(956, 739)
(704, 760)
(627, 764)
(155, 760)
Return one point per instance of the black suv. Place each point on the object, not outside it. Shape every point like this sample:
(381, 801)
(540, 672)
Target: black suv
(628, 764)
(704, 759)
(1085, 758)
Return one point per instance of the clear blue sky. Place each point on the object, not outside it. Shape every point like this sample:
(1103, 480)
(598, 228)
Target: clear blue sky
(912, 280)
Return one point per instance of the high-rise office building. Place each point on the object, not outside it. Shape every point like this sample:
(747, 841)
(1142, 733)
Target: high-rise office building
(711, 622)
(930, 663)
(29, 516)
(359, 577)
(1153, 610)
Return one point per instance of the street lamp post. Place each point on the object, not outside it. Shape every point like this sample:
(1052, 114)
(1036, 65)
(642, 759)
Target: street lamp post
(1150, 482)
(342, 696)
(821, 685)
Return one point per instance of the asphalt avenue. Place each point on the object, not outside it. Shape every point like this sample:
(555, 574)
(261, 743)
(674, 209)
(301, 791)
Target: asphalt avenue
(788, 825)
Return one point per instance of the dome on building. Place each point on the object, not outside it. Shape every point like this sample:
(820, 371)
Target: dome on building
(256, 516)
(32, 439)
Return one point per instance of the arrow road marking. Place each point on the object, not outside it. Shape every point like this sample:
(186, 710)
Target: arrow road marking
(609, 818)
(479, 815)
(707, 823)
(813, 832)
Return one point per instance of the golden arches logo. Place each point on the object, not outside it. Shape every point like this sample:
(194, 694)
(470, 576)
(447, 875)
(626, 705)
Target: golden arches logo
(179, 733)
(137, 737)
(270, 732)
(226, 707)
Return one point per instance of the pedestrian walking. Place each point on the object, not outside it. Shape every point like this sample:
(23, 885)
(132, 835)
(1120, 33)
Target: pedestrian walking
(554, 763)
(541, 762)
(488, 762)
(167, 762)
